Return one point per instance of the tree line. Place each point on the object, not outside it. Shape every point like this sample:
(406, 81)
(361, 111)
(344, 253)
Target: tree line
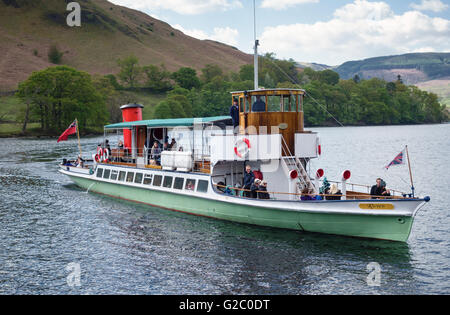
(56, 95)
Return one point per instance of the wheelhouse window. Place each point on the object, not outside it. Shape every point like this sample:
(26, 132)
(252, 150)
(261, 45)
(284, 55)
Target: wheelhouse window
(157, 180)
(138, 178)
(99, 172)
(148, 179)
(168, 181)
(130, 177)
(106, 173)
(190, 184)
(202, 186)
(179, 181)
(122, 175)
(114, 175)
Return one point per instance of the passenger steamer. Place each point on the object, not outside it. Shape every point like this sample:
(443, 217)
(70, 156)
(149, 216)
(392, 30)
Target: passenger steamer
(204, 177)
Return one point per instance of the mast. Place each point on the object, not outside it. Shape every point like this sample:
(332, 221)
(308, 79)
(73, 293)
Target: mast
(78, 135)
(410, 173)
(255, 62)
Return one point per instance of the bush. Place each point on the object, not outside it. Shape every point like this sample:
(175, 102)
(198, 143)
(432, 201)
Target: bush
(54, 55)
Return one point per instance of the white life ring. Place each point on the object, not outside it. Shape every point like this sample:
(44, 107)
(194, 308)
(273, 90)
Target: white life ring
(242, 148)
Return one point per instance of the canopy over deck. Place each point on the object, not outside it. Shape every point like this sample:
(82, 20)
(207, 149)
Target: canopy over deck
(166, 123)
(269, 92)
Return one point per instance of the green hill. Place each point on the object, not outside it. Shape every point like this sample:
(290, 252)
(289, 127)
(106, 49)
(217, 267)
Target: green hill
(413, 68)
(429, 71)
(28, 28)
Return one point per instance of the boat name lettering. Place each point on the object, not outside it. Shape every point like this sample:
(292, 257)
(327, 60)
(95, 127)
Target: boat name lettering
(376, 206)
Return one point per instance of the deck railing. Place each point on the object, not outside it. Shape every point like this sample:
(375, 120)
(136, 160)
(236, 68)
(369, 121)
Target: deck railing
(351, 195)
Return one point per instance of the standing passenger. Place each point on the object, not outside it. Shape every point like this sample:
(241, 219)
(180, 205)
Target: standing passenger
(249, 178)
(234, 113)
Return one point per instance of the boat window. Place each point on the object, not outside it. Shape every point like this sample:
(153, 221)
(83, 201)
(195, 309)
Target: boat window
(168, 181)
(106, 173)
(190, 184)
(138, 178)
(179, 181)
(148, 179)
(114, 175)
(157, 180)
(130, 177)
(202, 186)
(99, 172)
(122, 176)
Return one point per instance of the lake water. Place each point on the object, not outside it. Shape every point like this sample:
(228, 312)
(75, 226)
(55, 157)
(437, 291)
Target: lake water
(48, 225)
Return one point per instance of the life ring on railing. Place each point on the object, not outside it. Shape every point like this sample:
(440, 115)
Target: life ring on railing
(242, 147)
(105, 156)
(99, 155)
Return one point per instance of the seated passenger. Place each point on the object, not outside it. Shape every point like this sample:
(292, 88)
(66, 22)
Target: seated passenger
(259, 105)
(190, 184)
(80, 162)
(262, 193)
(379, 189)
(228, 191)
(335, 192)
(67, 163)
(173, 145)
(120, 144)
(254, 188)
(309, 195)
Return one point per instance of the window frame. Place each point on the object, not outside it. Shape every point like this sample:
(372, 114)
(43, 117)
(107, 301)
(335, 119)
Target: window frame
(158, 179)
(199, 186)
(164, 181)
(136, 177)
(128, 177)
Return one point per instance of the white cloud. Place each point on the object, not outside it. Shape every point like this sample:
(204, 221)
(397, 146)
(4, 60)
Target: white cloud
(189, 7)
(284, 4)
(430, 5)
(226, 35)
(358, 30)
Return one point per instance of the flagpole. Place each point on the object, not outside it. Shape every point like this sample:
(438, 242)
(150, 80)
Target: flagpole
(78, 134)
(410, 173)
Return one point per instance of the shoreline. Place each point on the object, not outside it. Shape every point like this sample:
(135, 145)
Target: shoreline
(37, 134)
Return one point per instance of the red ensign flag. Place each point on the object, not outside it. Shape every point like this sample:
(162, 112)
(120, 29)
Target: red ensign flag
(69, 131)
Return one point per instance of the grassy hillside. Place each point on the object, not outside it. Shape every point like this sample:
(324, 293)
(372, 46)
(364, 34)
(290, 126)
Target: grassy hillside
(439, 87)
(414, 68)
(429, 71)
(28, 28)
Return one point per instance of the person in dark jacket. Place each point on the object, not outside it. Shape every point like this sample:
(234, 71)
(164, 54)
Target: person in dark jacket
(249, 179)
(234, 113)
(254, 188)
(262, 193)
(379, 189)
(259, 105)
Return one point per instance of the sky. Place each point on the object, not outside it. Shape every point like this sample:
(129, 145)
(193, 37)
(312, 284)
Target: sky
(328, 32)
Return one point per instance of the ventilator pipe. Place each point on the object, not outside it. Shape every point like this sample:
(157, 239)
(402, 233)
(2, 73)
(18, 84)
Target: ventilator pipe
(345, 177)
